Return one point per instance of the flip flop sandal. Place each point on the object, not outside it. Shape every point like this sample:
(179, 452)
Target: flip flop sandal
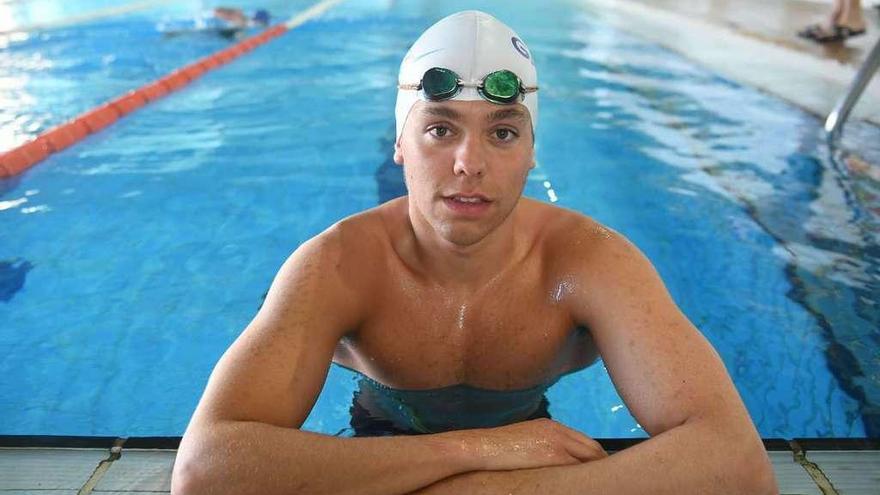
(840, 33)
(849, 33)
(812, 31)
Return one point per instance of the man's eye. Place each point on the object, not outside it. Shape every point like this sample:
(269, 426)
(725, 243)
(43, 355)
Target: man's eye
(504, 134)
(439, 131)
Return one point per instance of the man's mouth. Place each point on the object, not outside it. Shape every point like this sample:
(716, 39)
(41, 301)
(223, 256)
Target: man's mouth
(469, 199)
(469, 205)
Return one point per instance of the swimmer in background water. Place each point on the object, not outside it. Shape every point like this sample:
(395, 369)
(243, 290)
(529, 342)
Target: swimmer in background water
(227, 22)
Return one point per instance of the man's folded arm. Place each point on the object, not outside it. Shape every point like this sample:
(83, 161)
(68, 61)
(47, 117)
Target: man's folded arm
(243, 437)
(671, 379)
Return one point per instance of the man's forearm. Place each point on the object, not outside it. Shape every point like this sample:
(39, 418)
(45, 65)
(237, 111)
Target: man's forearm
(691, 458)
(247, 457)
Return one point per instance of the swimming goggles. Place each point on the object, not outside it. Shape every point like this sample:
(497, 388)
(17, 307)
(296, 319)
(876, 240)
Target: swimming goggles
(502, 86)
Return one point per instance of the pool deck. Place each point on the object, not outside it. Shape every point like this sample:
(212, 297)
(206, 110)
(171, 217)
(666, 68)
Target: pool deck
(755, 42)
(803, 467)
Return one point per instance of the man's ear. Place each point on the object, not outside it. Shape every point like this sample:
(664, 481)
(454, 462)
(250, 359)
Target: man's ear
(398, 153)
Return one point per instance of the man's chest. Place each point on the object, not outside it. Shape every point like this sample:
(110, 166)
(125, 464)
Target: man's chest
(419, 337)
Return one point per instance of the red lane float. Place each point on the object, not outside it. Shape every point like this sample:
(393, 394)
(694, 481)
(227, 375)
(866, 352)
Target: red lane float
(192, 71)
(210, 62)
(175, 80)
(63, 136)
(22, 157)
(224, 56)
(25, 156)
(153, 91)
(99, 118)
(129, 102)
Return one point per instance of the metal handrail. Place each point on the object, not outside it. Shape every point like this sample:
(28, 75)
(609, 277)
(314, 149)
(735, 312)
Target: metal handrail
(837, 117)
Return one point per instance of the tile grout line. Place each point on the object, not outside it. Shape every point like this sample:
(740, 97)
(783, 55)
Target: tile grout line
(103, 466)
(812, 469)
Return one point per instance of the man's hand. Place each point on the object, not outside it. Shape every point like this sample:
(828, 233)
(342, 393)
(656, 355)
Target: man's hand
(540, 443)
(530, 444)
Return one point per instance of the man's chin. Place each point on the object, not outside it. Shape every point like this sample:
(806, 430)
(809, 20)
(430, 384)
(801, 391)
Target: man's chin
(464, 235)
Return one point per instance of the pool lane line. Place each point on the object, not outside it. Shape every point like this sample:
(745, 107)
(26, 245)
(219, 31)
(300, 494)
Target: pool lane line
(315, 10)
(63, 136)
(87, 17)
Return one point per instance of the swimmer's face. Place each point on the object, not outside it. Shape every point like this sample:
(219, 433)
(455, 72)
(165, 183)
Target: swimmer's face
(466, 164)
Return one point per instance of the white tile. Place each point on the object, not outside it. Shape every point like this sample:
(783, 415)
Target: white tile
(48, 469)
(792, 478)
(732, 54)
(140, 470)
(850, 472)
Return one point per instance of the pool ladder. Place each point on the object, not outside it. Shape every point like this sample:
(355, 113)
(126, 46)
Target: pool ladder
(837, 117)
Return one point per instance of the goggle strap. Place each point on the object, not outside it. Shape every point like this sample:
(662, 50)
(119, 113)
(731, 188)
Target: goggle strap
(479, 86)
(416, 87)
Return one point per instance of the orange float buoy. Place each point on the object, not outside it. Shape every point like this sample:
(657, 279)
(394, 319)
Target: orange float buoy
(99, 118)
(175, 80)
(223, 56)
(210, 62)
(20, 159)
(66, 134)
(129, 102)
(154, 90)
(63, 136)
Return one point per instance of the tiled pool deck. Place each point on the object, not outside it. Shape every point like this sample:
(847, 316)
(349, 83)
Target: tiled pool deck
(755, 42)
(803, 467)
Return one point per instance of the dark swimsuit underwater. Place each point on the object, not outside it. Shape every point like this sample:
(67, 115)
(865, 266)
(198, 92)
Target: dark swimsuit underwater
(379, 410)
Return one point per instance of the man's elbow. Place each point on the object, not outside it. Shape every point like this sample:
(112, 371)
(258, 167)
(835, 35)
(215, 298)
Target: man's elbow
(765, 477)
(755, 475)
(187, 478)
(196, 468)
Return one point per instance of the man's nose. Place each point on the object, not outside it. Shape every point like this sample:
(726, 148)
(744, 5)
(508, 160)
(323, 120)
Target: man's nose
(470, 157)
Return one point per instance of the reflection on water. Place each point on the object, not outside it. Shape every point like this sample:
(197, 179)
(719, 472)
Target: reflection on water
(821, 211)
(168, 227)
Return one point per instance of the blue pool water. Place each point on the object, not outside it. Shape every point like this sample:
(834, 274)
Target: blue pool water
(129, 263)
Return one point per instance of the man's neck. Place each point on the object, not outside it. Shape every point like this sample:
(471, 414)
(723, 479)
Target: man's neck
(467, 267)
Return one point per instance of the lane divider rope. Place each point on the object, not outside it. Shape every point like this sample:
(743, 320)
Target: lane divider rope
(63, 136)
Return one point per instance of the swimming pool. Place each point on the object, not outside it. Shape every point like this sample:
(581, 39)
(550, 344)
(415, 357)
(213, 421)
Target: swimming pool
(128, 263)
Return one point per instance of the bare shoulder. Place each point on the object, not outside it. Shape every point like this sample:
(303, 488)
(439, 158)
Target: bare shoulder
(600, 270)
(664, 369)
(571, 241)
(350, 247)
(274, 370)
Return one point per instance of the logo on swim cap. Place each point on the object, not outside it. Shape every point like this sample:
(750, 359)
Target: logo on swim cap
(520, 47)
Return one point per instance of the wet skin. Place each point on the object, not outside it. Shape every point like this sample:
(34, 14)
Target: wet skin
(513, 330)
(466, 292)
(465, 282)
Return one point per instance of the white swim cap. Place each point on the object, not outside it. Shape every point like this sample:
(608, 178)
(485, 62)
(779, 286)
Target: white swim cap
(472, 44)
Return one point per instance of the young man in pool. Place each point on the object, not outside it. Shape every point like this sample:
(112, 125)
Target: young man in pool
(465, 282)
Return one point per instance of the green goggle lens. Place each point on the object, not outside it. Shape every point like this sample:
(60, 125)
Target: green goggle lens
(500, 86)
(440, 84)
